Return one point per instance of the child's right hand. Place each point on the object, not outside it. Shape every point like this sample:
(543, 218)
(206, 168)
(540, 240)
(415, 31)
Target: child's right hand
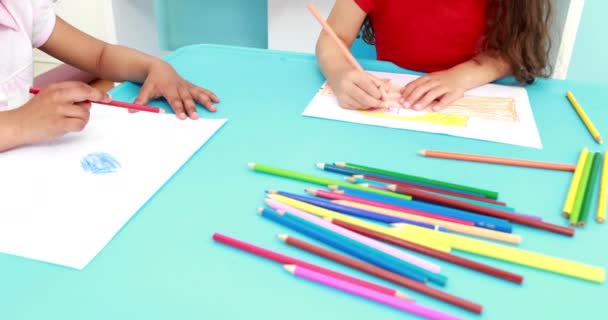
(56, 110)
(357, 90)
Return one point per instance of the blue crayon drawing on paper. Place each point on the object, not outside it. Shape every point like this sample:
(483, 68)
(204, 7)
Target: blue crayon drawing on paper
(99, 163)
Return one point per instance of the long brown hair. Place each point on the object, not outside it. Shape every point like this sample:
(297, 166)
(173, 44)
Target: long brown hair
(517, 30)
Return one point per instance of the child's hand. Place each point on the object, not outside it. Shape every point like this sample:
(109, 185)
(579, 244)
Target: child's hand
(435, 90)
(56, 110)
(163, 81)
(357, 90)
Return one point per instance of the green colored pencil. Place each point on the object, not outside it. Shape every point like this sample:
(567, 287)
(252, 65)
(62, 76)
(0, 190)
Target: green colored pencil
(593, 177)
(486, 193)
(319, 180)
(582, 188)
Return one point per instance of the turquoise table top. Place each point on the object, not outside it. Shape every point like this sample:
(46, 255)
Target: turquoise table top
(164, 265)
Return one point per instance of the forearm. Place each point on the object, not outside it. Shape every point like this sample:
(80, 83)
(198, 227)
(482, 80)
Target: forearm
(118, 63)
(9, 137)
(110, 62)
(330, 60)
(482, 69)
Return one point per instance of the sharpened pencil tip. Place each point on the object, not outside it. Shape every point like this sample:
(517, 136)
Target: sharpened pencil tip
(363, 185)
(333, 187)
(260, 210)
(422, 152)
(280, 212)
(162, 111)
(350, 179)
(340, 164)
(251, 165)
(282, 237)
(311, 191)
(272, 192)
(321, 165)
(403, 296)
(290, 268)
(600, 220)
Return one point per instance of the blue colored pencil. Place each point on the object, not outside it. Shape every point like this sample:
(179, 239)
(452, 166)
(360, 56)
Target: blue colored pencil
(355, 248)
(343, 209)
(479, 220)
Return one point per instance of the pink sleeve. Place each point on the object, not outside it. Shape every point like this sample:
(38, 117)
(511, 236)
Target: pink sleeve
(43, 22)
(366, 5)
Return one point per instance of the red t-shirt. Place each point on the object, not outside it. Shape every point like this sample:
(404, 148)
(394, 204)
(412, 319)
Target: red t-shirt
(426, 35)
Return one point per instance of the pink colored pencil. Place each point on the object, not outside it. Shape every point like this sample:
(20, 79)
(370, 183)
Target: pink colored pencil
(400, 304)
(340, 196)
(119, 104)
(380, 246)
(283, 259)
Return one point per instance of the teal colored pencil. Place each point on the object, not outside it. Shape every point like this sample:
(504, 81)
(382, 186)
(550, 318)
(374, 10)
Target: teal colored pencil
(582, 188)
(368, 253)
(486, 193)
(319, 180)
(588, 199)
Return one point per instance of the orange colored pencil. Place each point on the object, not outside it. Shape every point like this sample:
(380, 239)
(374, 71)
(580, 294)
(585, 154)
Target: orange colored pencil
(345, 52)
(497, 160)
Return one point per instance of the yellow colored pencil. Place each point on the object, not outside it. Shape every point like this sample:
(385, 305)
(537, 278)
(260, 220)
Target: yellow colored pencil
(451, 226)
(583, 115)
(576, 178)
(510, 254)
(601, 207)
(324, 213)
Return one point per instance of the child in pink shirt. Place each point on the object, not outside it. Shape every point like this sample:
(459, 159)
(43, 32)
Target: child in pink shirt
(62, 108)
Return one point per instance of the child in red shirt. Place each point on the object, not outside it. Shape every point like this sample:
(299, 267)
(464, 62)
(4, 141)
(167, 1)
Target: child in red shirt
(461, 43)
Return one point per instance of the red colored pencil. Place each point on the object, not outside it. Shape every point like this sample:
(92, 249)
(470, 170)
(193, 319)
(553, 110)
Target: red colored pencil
(341, 196)
(384, 274)
(516, 218)
(393, 184)
(283, 259)
(119, 104)
(470, 264)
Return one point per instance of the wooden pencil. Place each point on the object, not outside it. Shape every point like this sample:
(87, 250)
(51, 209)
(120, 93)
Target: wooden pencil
(496, 160)
(384, 274)
(412, 308)
(407, 177)
(581, 190)
(574, 183)
(584, 117)
(284, 259)
(601, 207)
(448, 257)
(120, 104)
(516, 218)
(596, 167)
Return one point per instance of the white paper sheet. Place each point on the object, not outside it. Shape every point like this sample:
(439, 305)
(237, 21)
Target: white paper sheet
(520, 130)
(53, 210)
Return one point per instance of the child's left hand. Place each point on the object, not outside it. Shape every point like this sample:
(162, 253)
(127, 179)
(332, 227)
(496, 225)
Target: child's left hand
(163, 81)
(435, 91)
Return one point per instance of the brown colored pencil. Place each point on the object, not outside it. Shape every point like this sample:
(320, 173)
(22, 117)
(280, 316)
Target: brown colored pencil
(448, 257)
(417, 194)
(497, 160)
(384, 274)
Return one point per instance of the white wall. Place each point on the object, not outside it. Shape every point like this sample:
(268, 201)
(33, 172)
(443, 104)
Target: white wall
(291, 27)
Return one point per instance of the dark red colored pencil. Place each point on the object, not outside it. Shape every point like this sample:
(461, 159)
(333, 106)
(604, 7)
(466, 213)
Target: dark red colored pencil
(283, 259)
(431, 189)
(384, 274)
(470, 264)
(421, 195)
(340, 196)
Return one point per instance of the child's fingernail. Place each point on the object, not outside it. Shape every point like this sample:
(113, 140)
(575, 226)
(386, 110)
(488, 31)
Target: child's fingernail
(108, 97)
(194, 115)
(417, 106)
(407, 104)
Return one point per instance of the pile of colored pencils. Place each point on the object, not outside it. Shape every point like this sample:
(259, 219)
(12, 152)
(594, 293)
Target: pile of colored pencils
(577, 207)
(371, 222)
